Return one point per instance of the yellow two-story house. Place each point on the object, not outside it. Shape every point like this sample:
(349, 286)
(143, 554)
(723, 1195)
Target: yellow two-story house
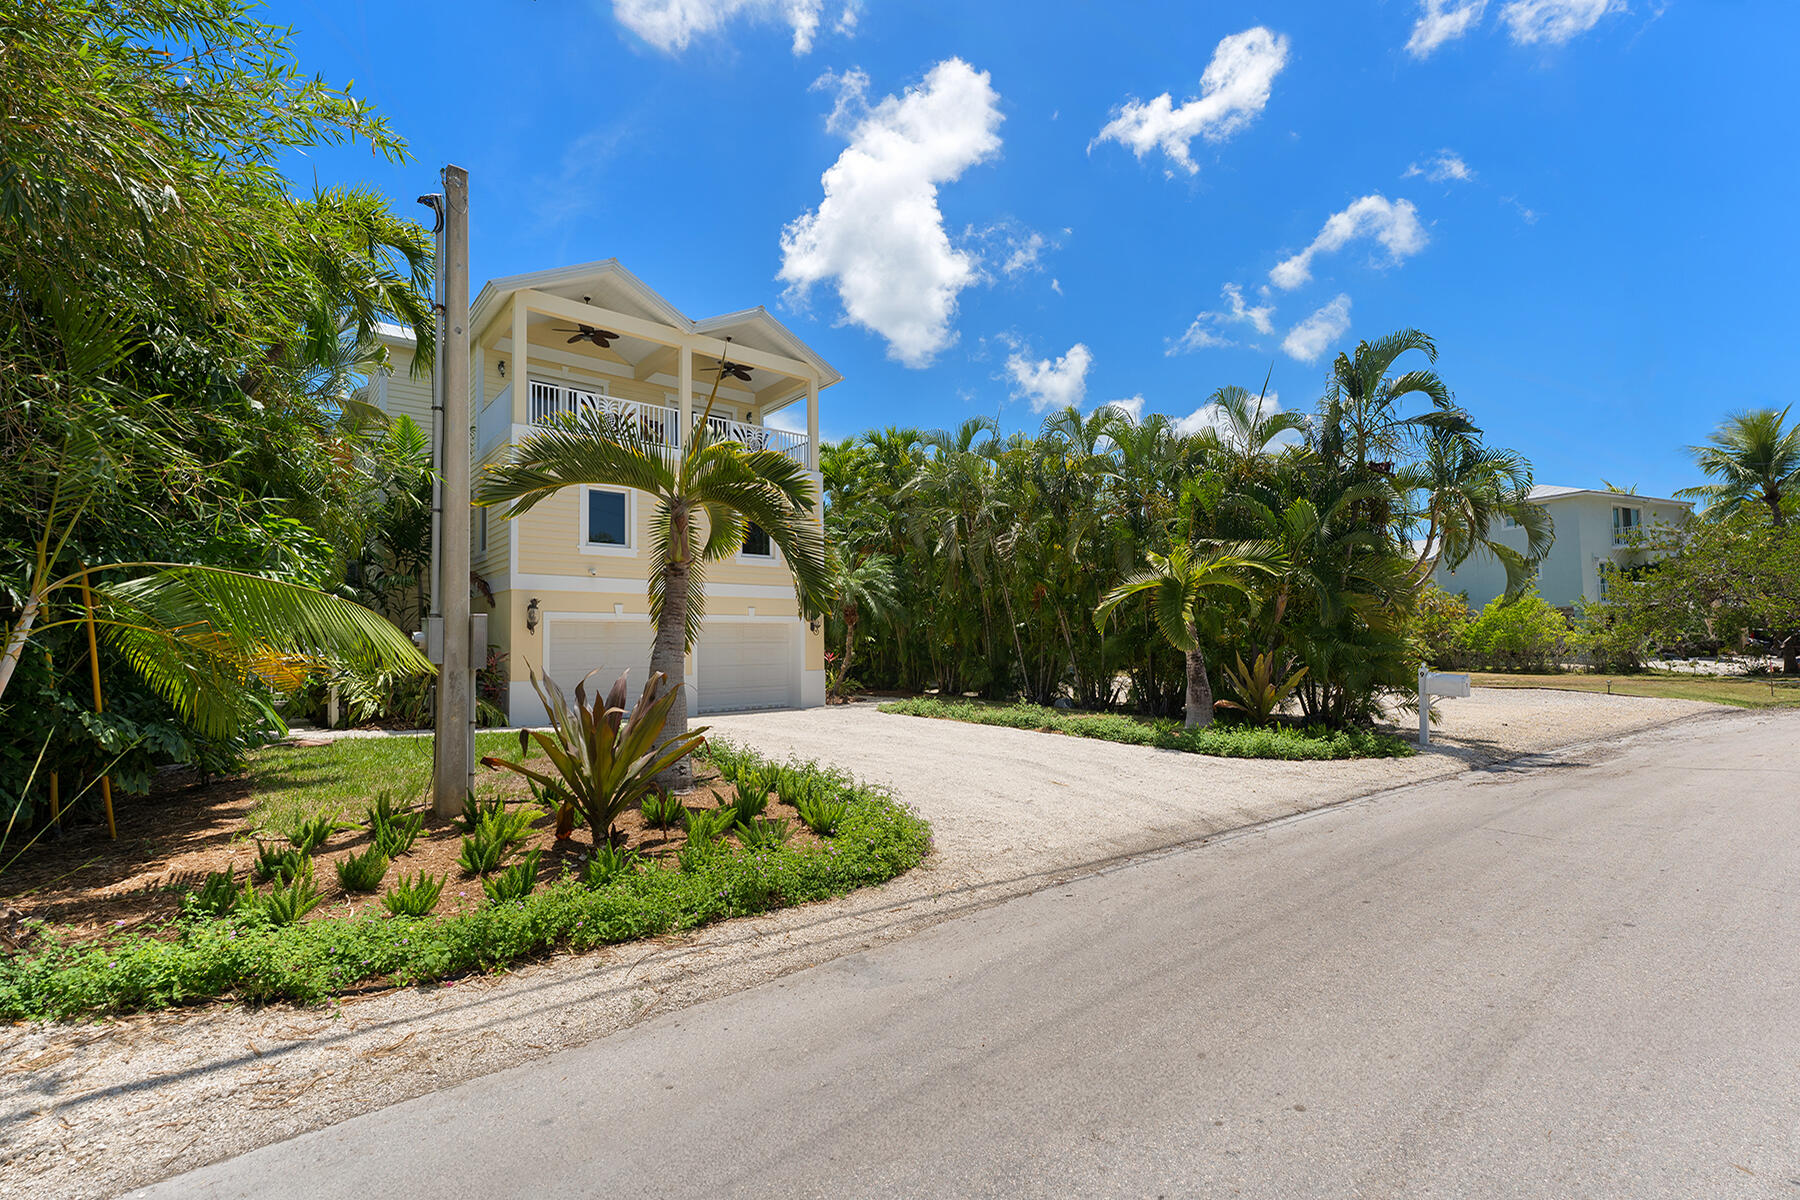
(567, 580)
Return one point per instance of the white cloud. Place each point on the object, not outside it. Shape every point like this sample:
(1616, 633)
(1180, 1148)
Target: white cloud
(878, 232)
(1207, 326)
(1315, 335)
(1056, 286)
(1393, 223)
(1528, 215)
(1024, 256)
(1446, 166)
(1051, 384)
(1211, 416)
(1133, 408)
(1442, 21)
(1554, 21)
(1234, 89)
(670, 25)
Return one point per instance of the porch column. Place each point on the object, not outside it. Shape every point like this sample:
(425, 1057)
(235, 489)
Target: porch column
(812, 422)
(521, 367)
(684, 399)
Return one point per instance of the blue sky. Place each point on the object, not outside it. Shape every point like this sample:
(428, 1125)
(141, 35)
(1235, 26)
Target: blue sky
(984, 208)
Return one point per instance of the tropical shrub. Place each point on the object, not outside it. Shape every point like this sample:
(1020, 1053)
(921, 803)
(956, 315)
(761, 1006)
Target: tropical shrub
(288, 903)
(363, 872)
(606, 760)
(514, 883)
(761, 834)
(415, 896)
(821, 811)
(750, 799)
(662, 808)
(312, 834)
(279, 862)
(1439, 627)
(1526, 634)
(218, 896)
(609, 862)
(1258, 691)
(708, 824)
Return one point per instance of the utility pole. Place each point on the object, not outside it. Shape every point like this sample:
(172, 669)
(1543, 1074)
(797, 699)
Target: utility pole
(453, 754)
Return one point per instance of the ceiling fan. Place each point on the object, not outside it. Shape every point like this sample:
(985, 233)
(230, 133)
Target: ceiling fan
(731, 370)
(602, 338)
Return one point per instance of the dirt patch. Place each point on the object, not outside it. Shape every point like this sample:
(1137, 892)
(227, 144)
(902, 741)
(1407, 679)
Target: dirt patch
(90, 888)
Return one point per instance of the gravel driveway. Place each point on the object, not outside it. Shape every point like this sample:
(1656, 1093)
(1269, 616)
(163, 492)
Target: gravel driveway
(1049, 801)
(91, 1110)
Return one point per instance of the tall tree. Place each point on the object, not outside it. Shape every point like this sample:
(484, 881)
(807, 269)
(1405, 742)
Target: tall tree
(1755, 456)
(1178, 585)
(706, 494)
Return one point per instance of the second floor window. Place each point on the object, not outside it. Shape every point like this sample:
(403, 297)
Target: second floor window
(1625, 522)
(756, 542)
(606, 519)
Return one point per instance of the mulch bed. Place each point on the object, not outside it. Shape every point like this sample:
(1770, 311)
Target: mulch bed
(91, 887)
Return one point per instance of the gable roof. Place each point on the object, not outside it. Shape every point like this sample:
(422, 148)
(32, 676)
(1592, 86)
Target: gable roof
(612, 286)
(1546, 492)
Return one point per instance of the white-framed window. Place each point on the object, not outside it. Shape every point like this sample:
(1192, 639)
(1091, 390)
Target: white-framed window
(1508, 522)
(1626, 521)
(608, 520)
(757, 543)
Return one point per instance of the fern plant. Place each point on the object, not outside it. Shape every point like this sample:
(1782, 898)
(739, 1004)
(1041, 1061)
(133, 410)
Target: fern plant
(707, 824)
(822, 812)
(474, 810)
(289, 903)
(482, 852)
(606, 758)
(662, 808)
(393, 830)
(609, 862)
(280, 863)
(310, 835)
(217, 896)
(750, 799)
(414, 897)
(363, 872)
(760, 834)
(514, 883)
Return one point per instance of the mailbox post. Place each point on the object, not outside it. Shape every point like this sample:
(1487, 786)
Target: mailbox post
(1436, 683)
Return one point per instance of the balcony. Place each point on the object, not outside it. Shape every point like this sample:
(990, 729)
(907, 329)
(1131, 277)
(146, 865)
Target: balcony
(656, 424)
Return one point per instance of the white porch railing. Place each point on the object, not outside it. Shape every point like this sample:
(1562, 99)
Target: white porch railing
(759, 437)
(655, 423)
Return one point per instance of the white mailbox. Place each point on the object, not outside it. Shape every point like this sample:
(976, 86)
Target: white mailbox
(1437, 683)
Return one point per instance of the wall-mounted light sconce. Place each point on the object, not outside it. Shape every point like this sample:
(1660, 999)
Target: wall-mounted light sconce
(531, 616)
(813, 624)
(503, 368)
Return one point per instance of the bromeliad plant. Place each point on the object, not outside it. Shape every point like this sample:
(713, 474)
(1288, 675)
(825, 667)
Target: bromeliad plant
(1258, 690)
(605, 758)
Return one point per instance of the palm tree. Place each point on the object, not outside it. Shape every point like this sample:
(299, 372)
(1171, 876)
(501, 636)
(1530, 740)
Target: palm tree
(1465, 490)
(1362, 418)
(864, 590)
(1247, 425)
(1178, 585)
(729, 485)
(1755, 458)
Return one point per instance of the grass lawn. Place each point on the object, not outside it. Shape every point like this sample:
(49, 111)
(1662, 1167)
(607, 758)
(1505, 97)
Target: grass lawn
(1223, 739)
(118, 929)
(292, 784)
(1660, 685)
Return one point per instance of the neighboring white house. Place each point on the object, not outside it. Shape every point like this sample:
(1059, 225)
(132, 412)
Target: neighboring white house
(568, 578)
(1594, 531)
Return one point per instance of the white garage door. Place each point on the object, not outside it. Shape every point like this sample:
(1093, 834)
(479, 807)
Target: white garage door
(746, 665)
(573, 646)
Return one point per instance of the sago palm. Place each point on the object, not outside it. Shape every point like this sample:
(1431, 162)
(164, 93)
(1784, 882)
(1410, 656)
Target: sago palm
(720, 481)
(1178, 585)
(1755, 457)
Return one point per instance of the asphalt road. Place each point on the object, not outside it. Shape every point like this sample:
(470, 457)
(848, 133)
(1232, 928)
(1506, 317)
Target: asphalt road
(1576, 977)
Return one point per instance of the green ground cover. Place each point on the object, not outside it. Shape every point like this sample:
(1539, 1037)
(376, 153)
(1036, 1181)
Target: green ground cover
(245, 956)
(1221, 739)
